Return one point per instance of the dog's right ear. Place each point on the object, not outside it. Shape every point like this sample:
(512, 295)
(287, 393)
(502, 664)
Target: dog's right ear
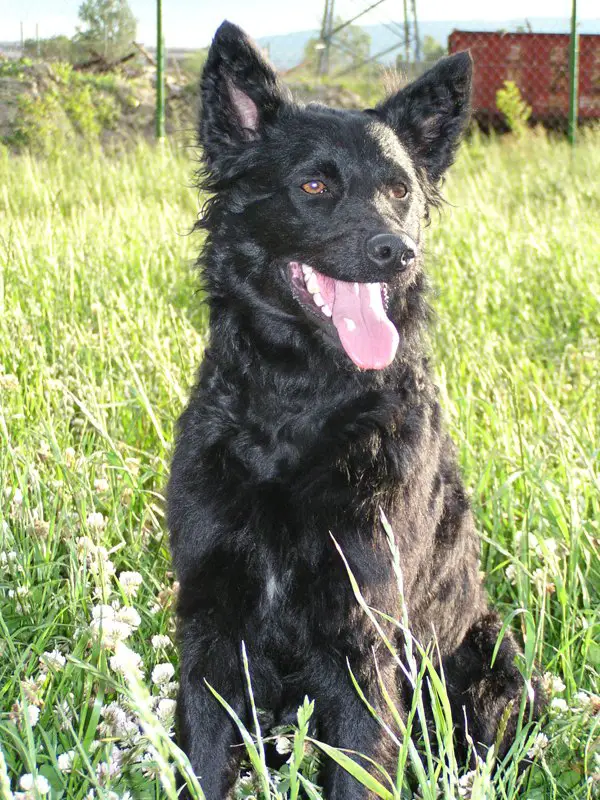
(240, 94)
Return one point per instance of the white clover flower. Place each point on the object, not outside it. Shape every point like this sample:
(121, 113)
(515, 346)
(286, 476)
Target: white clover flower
(541, 582)
(165, 711)
(161, 641)
(84, 546)
(44, 451)
(53, 659)
(551, 545)
(130, 583)
(465, 784)
(33, 715)
(129, 616)
(511, 574)
(96, 556)
(112, 626)
(162, 673)
(559, 705)
(106, 627)
(540, 743)
(149, 765)
(96, 521)
(552, 684)
(65, 761)
(117, 722)
(121, 661)
(283, 745)
(9, 382)
(41, 528)
(101, 485)
(587, 702)
(127, 662)
(28, 783)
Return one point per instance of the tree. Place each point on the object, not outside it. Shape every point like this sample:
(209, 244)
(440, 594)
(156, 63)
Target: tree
(349, 48)
(432, 49)
(110, 28)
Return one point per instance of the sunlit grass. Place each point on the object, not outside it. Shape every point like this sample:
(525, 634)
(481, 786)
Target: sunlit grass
(101, 331)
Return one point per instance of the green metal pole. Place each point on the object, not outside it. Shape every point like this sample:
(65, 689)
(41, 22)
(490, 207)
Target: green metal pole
(160, 74)
(406, 33)
(573, 75)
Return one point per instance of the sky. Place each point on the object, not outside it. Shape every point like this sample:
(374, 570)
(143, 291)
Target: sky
(191, 23)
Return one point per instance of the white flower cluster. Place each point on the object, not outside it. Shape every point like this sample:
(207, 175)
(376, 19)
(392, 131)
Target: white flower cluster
(539, 745)
(112, 625)
(24, 714)
(161, 641)
(130, 582)
(162, 674)
(32, 787)
(53, 659)
(548, 552)
(465, 784)
(119, 724)
(96, 556)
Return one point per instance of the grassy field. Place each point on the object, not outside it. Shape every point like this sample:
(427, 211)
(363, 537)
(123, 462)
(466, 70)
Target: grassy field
(101, 331)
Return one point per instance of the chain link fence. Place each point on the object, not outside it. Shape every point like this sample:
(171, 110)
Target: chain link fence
(538, 64)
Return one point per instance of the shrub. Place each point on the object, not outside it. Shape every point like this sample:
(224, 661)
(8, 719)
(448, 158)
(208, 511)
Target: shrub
(64, 105)
(515, 110)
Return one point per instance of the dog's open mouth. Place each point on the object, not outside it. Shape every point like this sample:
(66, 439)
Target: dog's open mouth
(356, 310)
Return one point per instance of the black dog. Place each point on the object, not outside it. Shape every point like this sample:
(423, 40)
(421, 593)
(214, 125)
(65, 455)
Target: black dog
(314, 410)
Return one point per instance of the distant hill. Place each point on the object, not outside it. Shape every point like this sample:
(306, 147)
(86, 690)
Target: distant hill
(286, 50)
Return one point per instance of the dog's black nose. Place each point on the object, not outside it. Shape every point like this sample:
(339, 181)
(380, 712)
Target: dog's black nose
(390, 250)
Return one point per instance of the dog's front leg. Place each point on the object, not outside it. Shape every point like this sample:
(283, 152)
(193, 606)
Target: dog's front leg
(206, 732)
(345, 722)
(481, 693)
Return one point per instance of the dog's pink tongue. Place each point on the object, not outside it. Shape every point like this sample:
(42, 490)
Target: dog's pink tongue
(365, 331)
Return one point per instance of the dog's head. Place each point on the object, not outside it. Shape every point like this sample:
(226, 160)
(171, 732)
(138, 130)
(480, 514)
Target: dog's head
(317, 213)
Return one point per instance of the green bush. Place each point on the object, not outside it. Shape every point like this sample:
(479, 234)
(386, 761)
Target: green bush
(64, 106)
(515, 110)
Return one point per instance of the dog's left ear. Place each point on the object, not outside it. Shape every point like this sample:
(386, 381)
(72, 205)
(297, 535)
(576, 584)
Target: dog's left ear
(240, 94)
(430, 115)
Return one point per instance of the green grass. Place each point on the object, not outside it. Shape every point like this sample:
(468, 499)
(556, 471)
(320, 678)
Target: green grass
(101, 331)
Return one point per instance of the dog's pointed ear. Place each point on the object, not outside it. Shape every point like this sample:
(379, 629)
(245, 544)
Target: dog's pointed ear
(240, 93)
(430, 115)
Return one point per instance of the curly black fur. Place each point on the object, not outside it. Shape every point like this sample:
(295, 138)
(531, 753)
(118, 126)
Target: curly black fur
(285, 441)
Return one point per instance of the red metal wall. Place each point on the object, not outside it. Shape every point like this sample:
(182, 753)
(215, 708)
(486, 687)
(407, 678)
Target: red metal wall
(539, 64)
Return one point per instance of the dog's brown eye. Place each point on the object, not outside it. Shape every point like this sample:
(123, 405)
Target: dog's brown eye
(314, 187)
(399, 191)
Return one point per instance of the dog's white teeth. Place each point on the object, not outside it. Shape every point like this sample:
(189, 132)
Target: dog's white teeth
(326, 310)
(319, 299)
(312, 284)
(307, 270)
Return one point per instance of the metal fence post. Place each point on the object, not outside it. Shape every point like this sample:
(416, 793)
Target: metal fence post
(160, 74)
(573, 74)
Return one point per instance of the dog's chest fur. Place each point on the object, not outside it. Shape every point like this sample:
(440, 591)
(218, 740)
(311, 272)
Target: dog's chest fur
(285, 476)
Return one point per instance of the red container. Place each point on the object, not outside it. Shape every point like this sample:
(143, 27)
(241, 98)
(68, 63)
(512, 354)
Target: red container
(539, 65)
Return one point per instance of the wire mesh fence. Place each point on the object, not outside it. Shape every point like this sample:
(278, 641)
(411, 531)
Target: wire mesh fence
(538, 64)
